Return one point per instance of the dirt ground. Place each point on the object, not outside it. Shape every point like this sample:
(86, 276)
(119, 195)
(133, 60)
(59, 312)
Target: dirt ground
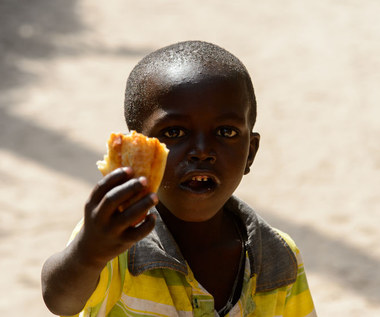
(316, 70)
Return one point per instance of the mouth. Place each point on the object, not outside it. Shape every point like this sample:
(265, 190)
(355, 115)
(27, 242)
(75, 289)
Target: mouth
(199, 182)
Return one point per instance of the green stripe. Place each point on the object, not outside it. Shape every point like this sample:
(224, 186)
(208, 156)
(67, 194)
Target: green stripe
(203, 306)
(300, 285)
(95, 310)
(172, 278)
(110, 273)
(123, 262)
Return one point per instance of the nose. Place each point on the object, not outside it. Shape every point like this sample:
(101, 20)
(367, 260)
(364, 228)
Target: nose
(201, 151)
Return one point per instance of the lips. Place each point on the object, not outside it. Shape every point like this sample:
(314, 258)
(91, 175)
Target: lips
(200, 182)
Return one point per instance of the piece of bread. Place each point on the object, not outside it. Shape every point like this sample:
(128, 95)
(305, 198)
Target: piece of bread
(147, 157)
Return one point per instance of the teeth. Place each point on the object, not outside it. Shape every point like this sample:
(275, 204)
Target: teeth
(200, 178)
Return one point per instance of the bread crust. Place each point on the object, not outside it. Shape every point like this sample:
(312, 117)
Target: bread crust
(147, 157)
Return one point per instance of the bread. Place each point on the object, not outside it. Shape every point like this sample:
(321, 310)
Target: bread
(147, 157)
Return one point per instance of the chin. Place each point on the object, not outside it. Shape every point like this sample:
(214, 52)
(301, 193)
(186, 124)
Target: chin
(196, 219)
(201, 212)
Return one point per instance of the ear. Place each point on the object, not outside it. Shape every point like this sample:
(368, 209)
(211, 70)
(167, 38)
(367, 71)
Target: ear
(253, 147)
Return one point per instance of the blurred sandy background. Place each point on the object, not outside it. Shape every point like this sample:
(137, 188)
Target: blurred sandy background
(316, 69)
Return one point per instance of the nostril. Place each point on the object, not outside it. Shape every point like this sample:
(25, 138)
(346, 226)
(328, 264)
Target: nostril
(207, 158)
(194, 158)
(211, 159)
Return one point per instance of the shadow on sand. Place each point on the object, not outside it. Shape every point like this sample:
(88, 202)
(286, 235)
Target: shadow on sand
(36, 30)
(28, 30)
(33, 30)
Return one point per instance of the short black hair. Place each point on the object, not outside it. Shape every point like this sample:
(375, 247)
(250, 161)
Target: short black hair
(210, 56)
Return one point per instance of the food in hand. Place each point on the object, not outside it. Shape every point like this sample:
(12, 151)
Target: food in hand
(147, 157)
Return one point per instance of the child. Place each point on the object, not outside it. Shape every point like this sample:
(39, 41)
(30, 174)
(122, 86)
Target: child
(201, 251)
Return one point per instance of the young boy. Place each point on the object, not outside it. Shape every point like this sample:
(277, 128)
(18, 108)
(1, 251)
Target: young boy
(201, 251)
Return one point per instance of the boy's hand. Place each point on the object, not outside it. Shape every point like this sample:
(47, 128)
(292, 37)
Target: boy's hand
(107, 232)
(70, 276)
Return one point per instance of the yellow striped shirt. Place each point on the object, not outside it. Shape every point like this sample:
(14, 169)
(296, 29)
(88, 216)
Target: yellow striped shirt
(153, 279)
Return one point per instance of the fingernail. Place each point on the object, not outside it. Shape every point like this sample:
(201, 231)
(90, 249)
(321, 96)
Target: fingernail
(154, 198)
(143, 180)
(127, 169)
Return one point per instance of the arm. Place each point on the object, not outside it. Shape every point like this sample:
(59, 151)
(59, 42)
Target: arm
(70, 276)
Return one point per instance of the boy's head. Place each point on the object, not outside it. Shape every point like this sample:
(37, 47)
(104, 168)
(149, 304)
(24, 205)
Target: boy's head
(209, 61)
(198, 99)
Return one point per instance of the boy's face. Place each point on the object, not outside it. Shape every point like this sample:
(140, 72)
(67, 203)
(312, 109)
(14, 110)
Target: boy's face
(204, 122)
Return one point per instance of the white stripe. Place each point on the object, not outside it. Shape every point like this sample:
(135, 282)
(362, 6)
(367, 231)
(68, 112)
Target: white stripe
(299, 259)
(148, 307)
(102, 310)
(312, 314)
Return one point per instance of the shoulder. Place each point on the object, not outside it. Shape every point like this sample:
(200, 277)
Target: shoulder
(272, 253)
(289, 241)
(279, 265)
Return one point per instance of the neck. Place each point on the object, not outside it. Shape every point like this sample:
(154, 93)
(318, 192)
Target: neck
(200, 235)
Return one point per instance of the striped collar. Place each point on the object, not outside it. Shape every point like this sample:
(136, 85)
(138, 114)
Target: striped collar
(270, 257)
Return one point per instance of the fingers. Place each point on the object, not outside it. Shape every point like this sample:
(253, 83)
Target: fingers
(119, 195)
(116, 177)
(137, 233)
(107, 231)
(124, 227)
(135, 213)
(105, 223)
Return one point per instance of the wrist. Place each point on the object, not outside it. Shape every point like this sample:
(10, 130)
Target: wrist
(84, 255)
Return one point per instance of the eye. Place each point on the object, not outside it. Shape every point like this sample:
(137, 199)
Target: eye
(226, 132)
(174, 132)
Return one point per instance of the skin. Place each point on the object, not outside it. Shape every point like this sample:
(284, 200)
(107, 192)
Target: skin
(204, 121)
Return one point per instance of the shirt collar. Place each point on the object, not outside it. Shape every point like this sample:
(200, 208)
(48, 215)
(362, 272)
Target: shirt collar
(157, 250)
(270, 257)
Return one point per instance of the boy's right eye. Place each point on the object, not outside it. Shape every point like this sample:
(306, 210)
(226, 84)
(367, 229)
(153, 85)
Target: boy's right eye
(174, 132)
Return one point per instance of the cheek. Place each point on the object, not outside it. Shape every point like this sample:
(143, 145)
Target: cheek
(170, 177)
(238, 155)
(176, 157)
(167, 179)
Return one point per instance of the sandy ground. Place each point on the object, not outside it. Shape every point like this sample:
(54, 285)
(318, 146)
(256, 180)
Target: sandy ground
(315, 65)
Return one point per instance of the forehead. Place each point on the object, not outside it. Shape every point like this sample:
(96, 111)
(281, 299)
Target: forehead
(189, 91)
(193, 80)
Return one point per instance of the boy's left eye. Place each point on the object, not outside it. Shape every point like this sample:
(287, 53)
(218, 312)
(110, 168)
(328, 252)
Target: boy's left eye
(174, 132)
(226, 132)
